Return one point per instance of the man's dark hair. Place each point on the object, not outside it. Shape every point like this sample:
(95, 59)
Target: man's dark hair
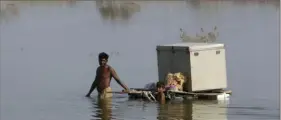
(103, 55)
(160, 84)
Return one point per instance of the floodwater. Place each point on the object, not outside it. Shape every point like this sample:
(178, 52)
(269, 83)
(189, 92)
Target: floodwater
(49, 55)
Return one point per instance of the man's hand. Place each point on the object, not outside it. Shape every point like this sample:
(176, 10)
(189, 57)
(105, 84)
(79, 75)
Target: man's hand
(126, 91)
(94, 84)
(88, 95)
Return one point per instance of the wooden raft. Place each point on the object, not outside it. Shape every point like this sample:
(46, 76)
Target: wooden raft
(137, 93)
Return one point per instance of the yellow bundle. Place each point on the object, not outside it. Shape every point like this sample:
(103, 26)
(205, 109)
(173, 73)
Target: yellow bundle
(176, 79)
(169, 78)
(179, 77)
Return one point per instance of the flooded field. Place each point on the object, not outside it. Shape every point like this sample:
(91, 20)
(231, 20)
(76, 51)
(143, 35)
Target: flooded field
(49, 56)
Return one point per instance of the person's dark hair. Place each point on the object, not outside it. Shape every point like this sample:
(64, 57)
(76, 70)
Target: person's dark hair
(103, 55)
(160, 84)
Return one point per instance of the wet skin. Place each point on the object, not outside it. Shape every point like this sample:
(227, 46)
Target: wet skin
(160, 97)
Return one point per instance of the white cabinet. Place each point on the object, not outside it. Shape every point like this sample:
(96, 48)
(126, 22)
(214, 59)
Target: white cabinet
(203, 64)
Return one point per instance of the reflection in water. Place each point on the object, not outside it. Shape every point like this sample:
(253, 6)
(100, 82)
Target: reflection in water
(60, 3)
(175, 111)
(195, 4)
(103, 109)
(8, 11)
(115, 10)
(211, 110)
(193, 110)
(275, 3)
(11, 9)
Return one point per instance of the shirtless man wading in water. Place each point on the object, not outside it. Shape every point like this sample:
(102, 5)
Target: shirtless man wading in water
(104, 73)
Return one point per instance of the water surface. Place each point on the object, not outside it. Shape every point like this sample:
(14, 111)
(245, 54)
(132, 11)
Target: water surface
(49, 55)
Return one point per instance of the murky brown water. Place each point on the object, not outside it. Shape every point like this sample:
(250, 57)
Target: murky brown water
(49, 54)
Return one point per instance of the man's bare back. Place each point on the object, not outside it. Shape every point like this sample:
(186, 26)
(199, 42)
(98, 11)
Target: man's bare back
(104, 73)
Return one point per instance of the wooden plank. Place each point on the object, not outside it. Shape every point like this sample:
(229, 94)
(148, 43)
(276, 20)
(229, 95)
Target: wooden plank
(141, 89)
(138, 94)
(228, 92)
(186, 93)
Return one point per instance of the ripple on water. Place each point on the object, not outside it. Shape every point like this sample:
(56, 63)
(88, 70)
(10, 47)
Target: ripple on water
(122, 108)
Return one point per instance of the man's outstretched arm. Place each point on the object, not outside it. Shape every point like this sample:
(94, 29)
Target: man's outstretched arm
(94, 85)
(115, 76)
